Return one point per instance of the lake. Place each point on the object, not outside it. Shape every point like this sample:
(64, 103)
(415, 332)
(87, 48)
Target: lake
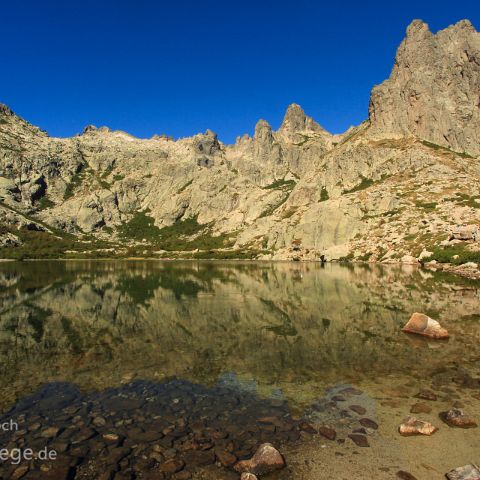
(148, 369)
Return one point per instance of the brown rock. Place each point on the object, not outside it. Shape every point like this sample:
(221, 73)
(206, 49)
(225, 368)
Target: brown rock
(172, 466)
(456, 417)
(265, 460)
(423, 325)
(328, 432)
(403, 475)
(358, 409)
(426, 395)
(307, 427)
(412, 426)
(367, 423)
(227, 459)
(50, 432)
(420, 407)
(200, 457)
(350, 391)
(359, 440)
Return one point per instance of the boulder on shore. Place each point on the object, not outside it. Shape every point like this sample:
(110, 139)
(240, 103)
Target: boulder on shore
(456, 417)
(265, 460)
(412, 426)
(423, 325)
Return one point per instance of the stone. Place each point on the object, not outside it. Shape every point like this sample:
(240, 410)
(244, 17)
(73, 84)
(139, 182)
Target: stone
(467, 472)
(172, 466)
(265, 460)
(368, 423)
(50, 432)
(420, 407)
(425, 394)
(227, 459)
(465, 232)
(248, 476)
(359, 439)
(99, 421)
(327, 432)
(403, 475)
(358, 409)
(456, 417)
(412, 426)
(421, 324)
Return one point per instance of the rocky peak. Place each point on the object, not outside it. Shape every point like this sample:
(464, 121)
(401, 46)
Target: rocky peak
(295, 120)
(434, 89)
(262, 129)
(89, 129)
(6, 111)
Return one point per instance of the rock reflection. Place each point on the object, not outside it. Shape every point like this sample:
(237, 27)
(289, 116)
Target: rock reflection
(285, 326)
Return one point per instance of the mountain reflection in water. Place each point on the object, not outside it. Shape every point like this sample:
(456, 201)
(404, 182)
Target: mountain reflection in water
(280, 327)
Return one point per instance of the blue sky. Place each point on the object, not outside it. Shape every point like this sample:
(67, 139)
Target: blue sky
(180, 67)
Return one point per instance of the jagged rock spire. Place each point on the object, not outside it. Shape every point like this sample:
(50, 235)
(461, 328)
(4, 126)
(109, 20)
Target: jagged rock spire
(434, 89)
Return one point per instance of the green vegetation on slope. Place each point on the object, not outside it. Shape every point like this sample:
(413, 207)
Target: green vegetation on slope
(434, 146)
(456, 254)
(175, 237)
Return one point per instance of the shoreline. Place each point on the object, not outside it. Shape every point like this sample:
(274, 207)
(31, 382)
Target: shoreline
(467, 270)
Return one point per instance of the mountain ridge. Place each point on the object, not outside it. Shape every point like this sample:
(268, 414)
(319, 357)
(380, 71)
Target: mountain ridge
(299, 192)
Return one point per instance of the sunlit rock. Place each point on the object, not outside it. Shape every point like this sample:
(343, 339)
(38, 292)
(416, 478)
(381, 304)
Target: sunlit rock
(411, 426)
(423, 325)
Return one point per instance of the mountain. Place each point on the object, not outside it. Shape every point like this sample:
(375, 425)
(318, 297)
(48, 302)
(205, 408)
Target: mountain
(389, 189)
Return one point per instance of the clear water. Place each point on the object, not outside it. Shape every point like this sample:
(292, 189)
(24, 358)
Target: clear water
(274, 336)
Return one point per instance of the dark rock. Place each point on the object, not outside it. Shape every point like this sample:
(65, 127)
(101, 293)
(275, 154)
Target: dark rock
(307, 427)
(227, 459)
(403, 475)
(350, 391)
(359, 440)
(368, 423)
(420, 407)
(358, 409)
(199, 457)
(426, 395)
(172, 466)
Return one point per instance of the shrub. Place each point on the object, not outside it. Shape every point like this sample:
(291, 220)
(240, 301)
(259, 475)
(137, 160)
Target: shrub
(459, 251)
(324, 195)
(365, 183)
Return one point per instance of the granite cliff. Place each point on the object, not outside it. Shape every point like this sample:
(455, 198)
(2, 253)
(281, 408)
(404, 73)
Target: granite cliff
(395, 188)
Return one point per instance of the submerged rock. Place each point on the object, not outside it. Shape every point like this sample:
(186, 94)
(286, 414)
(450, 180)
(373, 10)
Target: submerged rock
(412, 426)
(427, 395)
(403, 475)
(368, 423)
(456, 417)
(359, 440)
(420, 407)
(265, 460)
(327, 432)
(467, 472)
(248, 476)
(423, 325)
